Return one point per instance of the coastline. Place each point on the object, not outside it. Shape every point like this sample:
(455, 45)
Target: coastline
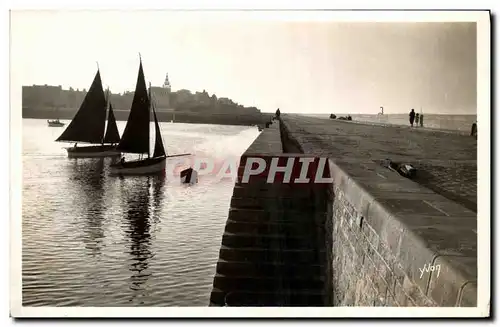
(245, 119)
(441, 122)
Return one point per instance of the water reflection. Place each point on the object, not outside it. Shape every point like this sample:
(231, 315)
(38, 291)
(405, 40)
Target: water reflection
(88, 177)
(66, 213)
(158, 195)
(139, 217)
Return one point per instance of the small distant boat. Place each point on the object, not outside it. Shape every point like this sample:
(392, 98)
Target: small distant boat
(55, 123)
(135, 138)
(89, 126)
(189, 176)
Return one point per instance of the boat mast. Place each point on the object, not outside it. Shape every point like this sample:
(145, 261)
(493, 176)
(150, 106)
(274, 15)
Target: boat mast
(106, 111)
(149, 109)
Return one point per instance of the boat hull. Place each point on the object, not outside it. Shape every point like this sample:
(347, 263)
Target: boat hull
(93, 151)
(55, 124)
(148, 166)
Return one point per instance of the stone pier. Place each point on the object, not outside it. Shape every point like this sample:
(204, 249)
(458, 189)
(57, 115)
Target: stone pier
(367, 238)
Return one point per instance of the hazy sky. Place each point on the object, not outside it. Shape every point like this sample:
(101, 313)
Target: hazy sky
(319, 67)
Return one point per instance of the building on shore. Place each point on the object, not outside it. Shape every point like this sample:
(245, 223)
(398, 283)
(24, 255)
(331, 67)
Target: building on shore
(161, 95)
(47, 97)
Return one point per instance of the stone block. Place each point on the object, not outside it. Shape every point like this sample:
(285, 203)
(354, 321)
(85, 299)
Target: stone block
(350, 236)
(268, 241)
(414, 292)
(268, 141)
(288, 298)
(446, 240)
(364, 244)
(276, 203)
(349, 297)
(381, 298)
(276, 216)
(371, 235)
(383, 270)
(468, 296)
(272, 191)
(387, 256)
(409, 207)
(368, 296)
(391, 301)
(272, 283)
(380, 287)
(451, 208)
(413, 256)
(269, 255)
(377, 185)
(443, 222)
(401, 297)
(368, 266)
(263, 269)
(370, 251)
(388, 227)
(355, 195)
(287, 229)
(359, 249)
(455, 272)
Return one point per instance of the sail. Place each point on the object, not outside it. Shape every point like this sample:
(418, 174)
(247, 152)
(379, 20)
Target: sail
(112, 135)
(88, 124)
(159, 149)
(135, 138)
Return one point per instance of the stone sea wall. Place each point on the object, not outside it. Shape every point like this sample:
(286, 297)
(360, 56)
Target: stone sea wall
(274, 250)
(370, 238)
(390, 235)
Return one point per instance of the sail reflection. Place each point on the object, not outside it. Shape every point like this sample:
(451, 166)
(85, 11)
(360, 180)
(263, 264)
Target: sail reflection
(143, 197)
(138, 229)
(158, 194)
(88, 177)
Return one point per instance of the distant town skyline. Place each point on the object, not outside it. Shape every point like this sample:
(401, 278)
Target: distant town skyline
(298, 66)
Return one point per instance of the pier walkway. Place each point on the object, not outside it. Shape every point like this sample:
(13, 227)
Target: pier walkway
(446, 162)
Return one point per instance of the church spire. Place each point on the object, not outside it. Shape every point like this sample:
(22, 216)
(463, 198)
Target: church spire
(166, 84)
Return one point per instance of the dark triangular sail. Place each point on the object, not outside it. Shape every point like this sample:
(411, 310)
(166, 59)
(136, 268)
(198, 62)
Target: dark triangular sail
(88, 124)
(112, 134)
(159, 149)
(135, 138)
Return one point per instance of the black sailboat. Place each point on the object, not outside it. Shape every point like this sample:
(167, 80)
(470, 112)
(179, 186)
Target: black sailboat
(88, 126)
(135, 138)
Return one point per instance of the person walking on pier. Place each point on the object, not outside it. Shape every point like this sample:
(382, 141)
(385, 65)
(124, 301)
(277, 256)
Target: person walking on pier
(278, 113)
(412, 117)
(416, 119)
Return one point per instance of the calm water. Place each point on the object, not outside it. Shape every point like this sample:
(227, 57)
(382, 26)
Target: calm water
(448, 122)
(90, 239)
